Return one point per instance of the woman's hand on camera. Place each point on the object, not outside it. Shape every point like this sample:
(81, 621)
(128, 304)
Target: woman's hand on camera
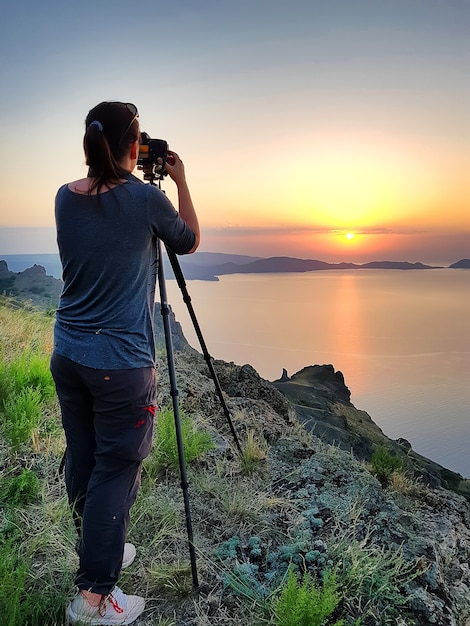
(174, 166)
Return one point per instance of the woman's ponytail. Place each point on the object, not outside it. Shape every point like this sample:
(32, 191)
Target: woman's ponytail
(108, 135)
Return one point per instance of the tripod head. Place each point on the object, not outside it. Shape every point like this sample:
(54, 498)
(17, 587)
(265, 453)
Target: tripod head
(153, 172)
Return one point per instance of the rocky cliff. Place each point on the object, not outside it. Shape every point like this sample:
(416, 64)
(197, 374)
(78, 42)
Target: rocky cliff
(322, 403)
(32, 286)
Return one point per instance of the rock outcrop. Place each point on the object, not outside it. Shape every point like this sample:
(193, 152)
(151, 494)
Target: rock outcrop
(322, 403)
(32, 286)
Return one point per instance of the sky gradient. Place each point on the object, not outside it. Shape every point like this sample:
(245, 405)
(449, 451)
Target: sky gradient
(298, 122)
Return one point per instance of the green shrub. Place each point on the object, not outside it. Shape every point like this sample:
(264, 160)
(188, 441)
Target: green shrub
(302, 603)
(27, 370)
(384, 464)
(22, 414)
(25, 386)
(13, 574)
(20, 603)
(196, 442)
(19, 490)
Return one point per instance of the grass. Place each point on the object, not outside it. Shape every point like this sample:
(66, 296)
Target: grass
(26, 385)
(165, 455)
(35, 567)
(21, 415)
(253, 453)
(400, 483)
(19, 490)
(172, 578)
(36, 538)
(23, 330)
(13, 573)
(371, 576)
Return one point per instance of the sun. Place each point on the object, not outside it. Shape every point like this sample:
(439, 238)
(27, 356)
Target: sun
(349, 236)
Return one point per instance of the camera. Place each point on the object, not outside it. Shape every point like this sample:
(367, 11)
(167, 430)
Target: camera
(150, 151)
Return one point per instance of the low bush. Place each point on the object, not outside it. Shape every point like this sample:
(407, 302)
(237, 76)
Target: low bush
(303, 603)
(26, 386)
(22, 414)
(19, 490)
(164, 456)
(384, 464)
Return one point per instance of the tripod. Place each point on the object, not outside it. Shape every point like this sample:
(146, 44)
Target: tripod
(151, 176)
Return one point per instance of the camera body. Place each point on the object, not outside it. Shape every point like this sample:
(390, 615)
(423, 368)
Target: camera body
(152, 156)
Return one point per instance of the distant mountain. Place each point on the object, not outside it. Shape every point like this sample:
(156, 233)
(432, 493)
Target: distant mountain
(216, 258)
(288, 264)
(462, 264)
(280, 264)
(397, 265)
(32, 286)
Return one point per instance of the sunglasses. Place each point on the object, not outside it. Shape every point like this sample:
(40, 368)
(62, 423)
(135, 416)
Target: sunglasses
(135, 114)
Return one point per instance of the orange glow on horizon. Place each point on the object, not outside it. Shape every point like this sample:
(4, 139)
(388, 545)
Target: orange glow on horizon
(355, 183)
(433, 247)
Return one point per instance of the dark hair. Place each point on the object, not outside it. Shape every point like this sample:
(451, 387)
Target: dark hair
(108, 140)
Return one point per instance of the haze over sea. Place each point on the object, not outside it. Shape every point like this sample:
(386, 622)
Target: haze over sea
(401, 339)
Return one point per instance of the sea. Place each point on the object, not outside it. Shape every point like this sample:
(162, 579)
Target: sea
(401, 338)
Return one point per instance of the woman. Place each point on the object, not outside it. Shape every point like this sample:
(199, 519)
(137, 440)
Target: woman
(104, 352)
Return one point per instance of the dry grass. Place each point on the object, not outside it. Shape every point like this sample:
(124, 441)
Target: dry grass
(254, 453)
(402, 484)
(23, 330)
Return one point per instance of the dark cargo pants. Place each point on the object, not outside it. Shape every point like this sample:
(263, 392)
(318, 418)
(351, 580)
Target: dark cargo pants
(107, 416)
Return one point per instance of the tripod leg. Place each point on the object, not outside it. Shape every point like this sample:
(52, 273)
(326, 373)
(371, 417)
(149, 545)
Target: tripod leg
(187, 299)
(174, 395)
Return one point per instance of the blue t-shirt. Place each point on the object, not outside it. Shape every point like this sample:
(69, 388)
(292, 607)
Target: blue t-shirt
(107, 245)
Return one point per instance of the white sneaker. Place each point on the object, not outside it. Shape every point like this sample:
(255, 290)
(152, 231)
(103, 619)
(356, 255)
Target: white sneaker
(115, 608)
(128, 555)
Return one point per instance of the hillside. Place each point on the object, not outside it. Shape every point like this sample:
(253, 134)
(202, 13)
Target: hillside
(322, 404)
(400, 548)
(462, 264)
(32, 285)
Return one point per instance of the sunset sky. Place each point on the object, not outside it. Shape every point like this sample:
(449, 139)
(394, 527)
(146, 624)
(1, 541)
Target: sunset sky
(299, 122)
